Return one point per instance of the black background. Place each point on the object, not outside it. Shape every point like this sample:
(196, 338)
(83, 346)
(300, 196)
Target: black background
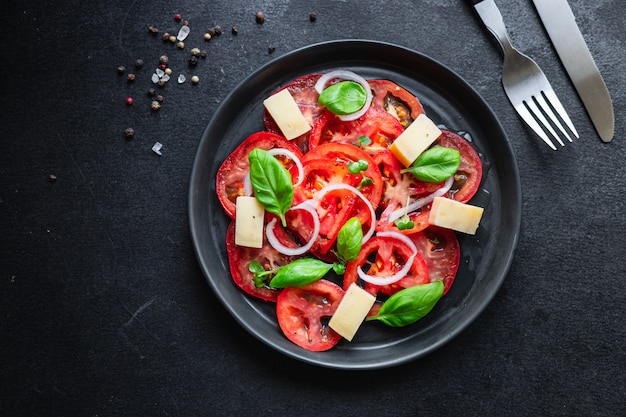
(103, 308)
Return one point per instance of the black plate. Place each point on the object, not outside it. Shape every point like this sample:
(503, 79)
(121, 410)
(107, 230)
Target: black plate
(448, 100)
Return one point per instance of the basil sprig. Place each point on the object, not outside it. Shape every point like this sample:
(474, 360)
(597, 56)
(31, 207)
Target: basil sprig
(271, 183)
(436, 164)
(345, 97)
(409, 305)
(349, 242)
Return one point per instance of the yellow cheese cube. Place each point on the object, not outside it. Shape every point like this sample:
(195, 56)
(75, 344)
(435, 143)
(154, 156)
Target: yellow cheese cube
(454, 215)
(287, 115)
(249, 218)
(414, 140)
(351, 312)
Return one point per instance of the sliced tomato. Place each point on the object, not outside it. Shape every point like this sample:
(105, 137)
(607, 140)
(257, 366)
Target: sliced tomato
(400, 189)
(302, 89)
(340, 155)
(468, 176)
(384, 256)
(326, 165)
(395, 100)
(376, 124)
(231, 174)
(240, 257)
(303, 314)
(441, 251)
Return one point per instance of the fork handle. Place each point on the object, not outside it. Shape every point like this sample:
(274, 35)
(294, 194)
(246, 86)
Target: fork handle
(492, 19)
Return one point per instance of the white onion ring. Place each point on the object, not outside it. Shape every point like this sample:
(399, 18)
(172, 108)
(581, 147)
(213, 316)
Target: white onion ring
(349, 76)
(271, 237)
(402, 272)
(294, 158)
(341, 186)
(421, 202)
(247, 185)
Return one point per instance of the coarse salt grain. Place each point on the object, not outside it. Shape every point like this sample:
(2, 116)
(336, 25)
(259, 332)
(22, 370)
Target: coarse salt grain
(156, 148)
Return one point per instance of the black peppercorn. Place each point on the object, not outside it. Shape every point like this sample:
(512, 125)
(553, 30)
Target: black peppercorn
(193, 61)
(151, 92)
(271, 49)
(153, 30)
(130, 77)
(218, 30)
(260, 17)
(138, 63)
(313, 16)
(129, 132)
(234, 30)
(121, 69)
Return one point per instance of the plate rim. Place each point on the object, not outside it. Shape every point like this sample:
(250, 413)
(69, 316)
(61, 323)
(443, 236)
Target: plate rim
(318, 358)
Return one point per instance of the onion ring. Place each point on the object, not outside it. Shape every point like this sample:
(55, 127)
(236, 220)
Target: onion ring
(401, 273)
(349, 76)
(273, 240)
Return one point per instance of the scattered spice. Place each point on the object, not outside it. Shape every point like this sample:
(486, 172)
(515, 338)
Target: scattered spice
(207, 36)
(52, 177)
(260, 17)
(177, 16)
(183, 33)
(156, 148)
(313, 16)
(138, 63)
(168, 71)
(166, 37)
(130, 77)
(151, 92)
(193, 61)
(195, 79)
(129, 100)
(172, 38)
(186, 22)
(153, 30)
(159, 98)
(271, 49)
(204, 53)
(121, 69)
(155, 105)
(181, 45)
(129, 133)
(163, 59)
(195, 51)
(234, 30)
(217, 30)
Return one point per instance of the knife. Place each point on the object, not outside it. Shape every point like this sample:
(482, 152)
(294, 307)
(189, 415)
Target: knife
(560, 23)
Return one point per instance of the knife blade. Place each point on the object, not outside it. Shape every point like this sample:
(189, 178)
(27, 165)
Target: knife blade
(560, 23)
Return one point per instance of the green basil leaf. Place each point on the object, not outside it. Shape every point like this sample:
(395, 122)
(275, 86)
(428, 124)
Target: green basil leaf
(300, 272)
(271, 183)
(436, 164)
(410, 304)
(345, 97)
(349, 240)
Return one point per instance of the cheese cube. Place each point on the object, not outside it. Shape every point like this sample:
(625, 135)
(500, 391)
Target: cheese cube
(454, 215)
(414, 140)
(351, 312)
(249, 217)
(287, 115)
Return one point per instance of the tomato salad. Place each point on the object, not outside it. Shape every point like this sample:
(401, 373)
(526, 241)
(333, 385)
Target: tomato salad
(339, 208)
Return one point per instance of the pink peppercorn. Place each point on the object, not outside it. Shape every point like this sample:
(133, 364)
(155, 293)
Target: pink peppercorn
(129, 100)
(178, 16)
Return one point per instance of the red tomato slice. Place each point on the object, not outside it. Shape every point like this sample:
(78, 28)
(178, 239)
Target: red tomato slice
(325, 165)
(383, 256)
(303, 91)
(399, 188)
(341, 155)
(231, 174)
(441, 251)
(240, 257)
(468, 177)
(395, 100)
(378, 125)
(303, 314)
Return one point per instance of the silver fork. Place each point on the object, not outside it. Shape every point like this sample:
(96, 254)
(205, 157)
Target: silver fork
(524, 82)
